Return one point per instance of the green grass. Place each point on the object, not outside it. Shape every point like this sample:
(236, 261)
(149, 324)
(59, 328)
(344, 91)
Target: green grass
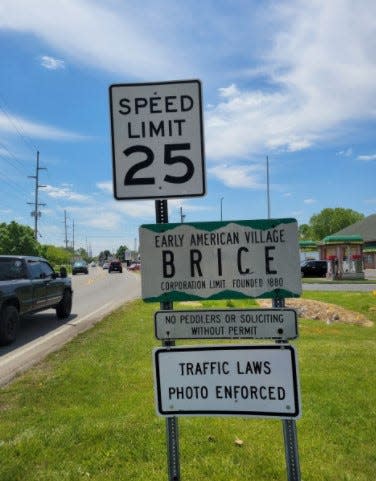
(363, 302)
(87, 412)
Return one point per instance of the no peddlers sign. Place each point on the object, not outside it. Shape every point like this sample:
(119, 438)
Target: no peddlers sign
(220, 260)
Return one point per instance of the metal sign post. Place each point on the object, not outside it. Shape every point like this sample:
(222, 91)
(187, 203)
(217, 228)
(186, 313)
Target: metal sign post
(290, 433)
(172, 427)
(158, 153)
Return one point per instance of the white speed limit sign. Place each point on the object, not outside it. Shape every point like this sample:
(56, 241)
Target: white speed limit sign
(157, 140)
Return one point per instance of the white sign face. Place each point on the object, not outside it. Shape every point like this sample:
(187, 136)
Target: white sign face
(258, 381)
(227, 324)
(157, 140)
(220, 260)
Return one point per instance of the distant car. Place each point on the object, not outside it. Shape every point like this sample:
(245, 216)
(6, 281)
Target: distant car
(93, 264)
(115, 266)
(135, 266)
(105, 265)
(80, 267)
(314, 268)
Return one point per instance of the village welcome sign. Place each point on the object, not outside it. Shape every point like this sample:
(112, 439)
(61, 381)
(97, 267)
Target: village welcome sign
(220, 260)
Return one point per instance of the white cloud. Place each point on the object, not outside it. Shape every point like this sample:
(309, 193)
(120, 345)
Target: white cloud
(319, 65)
(13, 123)
(367, 157)
(243, 176)
(345, 153)
(113, 216)
(230, 91)
(143, 209)
(65, 193)
(122, 38)
(310, 201)
(322, 65)
(51, 63)
(105, 221)
(105, 186)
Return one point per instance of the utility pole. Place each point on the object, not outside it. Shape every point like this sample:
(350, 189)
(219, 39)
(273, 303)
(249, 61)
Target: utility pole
(36, 213)
(182, 216)
(65, 229)
(73, 236)
(267, 185)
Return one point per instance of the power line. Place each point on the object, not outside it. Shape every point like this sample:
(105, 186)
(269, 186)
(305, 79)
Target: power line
(12, 186)
(13, 191)
(15, 187)
(18, 128)
(12, 165)
(4, 147)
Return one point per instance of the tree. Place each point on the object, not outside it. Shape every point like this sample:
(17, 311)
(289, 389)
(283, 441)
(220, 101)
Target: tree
(120, 253)
(56, 255)
(305, 232)
(104, 256)
(329, 221)
(18, 239)
(82, 253)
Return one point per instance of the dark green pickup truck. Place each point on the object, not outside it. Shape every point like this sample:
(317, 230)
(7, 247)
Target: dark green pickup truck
(29, 284)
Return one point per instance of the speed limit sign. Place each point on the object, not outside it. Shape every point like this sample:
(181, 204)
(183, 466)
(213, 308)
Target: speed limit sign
(157, 140)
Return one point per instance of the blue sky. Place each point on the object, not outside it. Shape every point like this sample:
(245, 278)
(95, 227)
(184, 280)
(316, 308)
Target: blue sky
(291, 80)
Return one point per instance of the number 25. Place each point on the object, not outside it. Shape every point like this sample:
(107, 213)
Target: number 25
(169, 159)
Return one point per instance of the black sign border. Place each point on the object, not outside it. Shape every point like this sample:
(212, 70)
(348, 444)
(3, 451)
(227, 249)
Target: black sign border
(278, 338)
(296, 413)
(139, 84)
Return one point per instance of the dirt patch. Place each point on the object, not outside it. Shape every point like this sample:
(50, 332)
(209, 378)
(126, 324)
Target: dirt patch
(310, 309)
(322, 311)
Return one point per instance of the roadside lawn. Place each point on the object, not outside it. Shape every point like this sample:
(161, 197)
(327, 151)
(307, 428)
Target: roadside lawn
(87, 411)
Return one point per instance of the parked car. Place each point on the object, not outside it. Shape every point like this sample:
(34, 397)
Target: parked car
(29, 284)
(314, 268)
(135, 266)
(105, 265)
(80, 267)
(115, 266)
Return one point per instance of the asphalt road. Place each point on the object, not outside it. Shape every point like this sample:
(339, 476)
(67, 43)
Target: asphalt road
(95, 295)
(339, 287)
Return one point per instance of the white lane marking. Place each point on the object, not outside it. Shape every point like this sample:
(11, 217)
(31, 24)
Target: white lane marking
(32, 345)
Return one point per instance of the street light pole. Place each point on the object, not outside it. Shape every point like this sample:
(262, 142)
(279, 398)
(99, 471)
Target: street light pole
(267, 185)
(182, 216)
(221, 206)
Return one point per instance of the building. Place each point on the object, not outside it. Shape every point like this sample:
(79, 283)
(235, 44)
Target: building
(344, 256)
(366, 229)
